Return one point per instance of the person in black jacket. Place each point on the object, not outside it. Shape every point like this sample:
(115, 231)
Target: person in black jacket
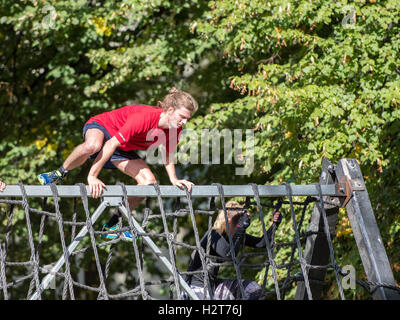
(226, 289)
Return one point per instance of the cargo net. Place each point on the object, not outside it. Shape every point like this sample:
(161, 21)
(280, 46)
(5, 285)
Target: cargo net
(37, 261)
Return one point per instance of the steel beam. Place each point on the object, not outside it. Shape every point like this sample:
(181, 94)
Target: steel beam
(172, 191)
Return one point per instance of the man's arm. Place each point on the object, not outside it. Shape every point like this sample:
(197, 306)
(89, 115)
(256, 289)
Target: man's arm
(95, 184)
(168, 159)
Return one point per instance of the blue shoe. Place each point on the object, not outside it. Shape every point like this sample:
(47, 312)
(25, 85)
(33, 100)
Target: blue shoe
(50, 177)
(127, 236)
(109, 235)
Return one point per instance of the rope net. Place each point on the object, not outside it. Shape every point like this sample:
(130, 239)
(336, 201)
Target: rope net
(36, 232)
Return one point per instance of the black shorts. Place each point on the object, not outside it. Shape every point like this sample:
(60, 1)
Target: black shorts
(118, 154)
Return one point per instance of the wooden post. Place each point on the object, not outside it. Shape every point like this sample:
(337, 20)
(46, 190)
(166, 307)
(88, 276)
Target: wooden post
(366, 233)
(347, 174)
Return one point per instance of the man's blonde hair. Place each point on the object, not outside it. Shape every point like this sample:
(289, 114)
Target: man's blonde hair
(234, 215)
(177, 98)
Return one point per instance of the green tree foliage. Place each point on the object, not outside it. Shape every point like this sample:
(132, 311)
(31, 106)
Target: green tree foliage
(313, 79)
(317, 79)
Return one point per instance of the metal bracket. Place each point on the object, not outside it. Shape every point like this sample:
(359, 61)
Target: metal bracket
(346, 186)
(113, 201)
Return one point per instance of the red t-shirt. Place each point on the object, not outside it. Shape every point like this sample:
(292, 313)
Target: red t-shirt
(136, 128)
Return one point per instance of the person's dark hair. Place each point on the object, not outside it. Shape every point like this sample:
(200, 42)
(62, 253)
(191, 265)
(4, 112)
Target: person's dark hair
(177, 98)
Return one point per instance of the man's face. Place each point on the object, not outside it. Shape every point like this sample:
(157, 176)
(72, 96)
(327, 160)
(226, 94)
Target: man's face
(178, 117)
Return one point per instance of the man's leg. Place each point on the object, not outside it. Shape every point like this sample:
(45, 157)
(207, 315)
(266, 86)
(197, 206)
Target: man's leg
(138, 170)
(93, 143)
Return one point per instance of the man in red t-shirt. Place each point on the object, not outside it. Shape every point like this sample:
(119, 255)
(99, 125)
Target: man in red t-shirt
(111, 138)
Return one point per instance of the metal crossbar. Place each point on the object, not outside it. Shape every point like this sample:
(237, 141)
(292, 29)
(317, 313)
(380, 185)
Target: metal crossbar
(272, 191)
